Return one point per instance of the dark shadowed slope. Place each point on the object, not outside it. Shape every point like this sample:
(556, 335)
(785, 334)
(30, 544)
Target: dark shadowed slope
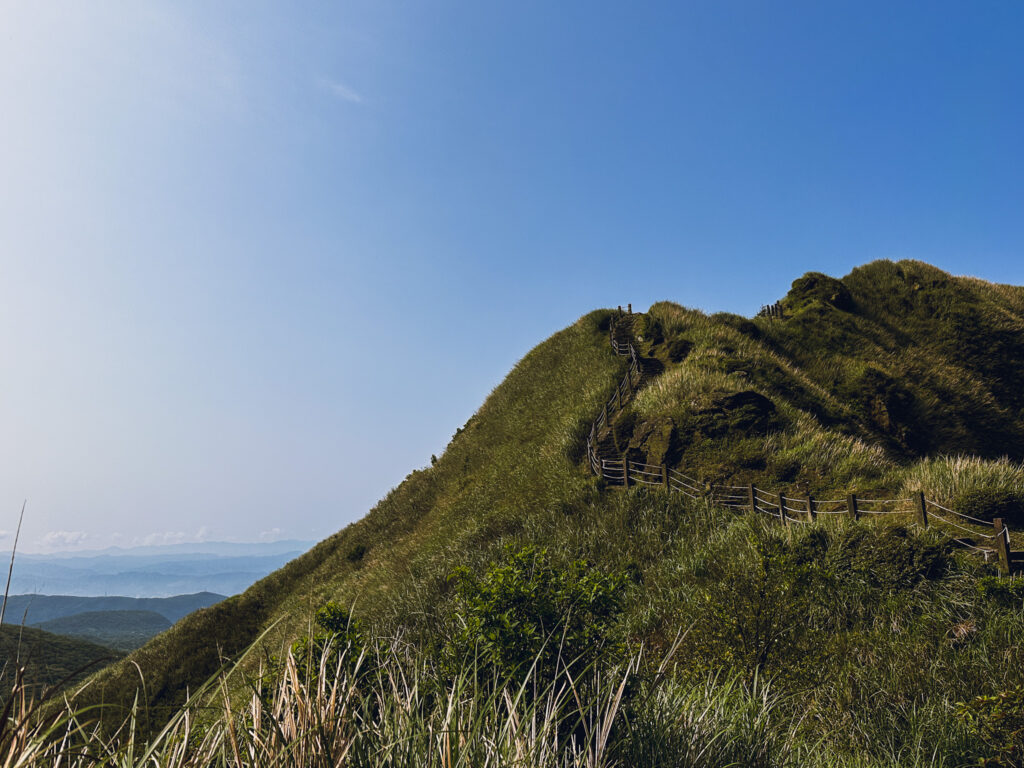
(121, 630)
(48, 659)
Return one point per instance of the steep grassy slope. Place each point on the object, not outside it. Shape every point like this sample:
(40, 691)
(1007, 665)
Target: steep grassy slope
(859, 386)
(516, 458)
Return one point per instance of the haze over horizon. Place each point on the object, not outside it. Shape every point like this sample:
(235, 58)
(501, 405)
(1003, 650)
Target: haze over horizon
(260, 261)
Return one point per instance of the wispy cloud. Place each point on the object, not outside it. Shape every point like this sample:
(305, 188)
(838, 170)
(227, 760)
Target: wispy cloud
(270, 535)
(171, 537)
(340, 90)
(57, 539)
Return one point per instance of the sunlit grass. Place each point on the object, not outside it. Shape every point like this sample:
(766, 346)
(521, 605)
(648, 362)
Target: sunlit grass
(860, 401)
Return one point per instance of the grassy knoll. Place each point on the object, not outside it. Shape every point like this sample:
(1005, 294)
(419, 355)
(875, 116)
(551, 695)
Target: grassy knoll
(838, 644)
(121, 630)
(48, 659)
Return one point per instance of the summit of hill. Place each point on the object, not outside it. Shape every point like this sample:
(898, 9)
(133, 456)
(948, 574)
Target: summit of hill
(893, 380)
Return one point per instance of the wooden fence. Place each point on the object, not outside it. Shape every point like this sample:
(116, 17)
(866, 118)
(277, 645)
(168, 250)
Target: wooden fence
(990, 540)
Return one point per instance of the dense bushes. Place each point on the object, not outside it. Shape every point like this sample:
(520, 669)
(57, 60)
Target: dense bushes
(530, 614)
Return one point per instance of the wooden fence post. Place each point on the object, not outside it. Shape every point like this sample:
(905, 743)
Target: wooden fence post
(751, 499)
(1002, 546)
(625, 470)
(618, 396)
(810, 509)
(920, 510)
(664, 477)
(606, 416)
(782, 510)
(851, 506)
(629, 308)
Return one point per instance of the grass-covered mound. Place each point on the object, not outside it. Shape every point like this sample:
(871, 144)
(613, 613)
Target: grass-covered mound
(121, 630)
(860, 380)
(47, 659)
(868, 635)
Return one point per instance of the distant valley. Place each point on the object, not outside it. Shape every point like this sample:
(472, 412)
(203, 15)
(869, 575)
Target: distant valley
(102, 603)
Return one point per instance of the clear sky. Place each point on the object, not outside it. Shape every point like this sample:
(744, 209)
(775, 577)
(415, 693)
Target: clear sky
(260, 260)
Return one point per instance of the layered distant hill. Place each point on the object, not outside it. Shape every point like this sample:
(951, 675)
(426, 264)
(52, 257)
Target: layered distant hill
(121, 630)
(223, 568)
(36, 609)
(48, 659)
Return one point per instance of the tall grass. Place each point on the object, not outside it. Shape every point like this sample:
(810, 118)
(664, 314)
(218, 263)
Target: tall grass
(390, 708)
(947, 478)
(384, 709)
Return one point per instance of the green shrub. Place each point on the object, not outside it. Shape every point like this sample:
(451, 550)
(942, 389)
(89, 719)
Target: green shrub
(753, 606)
(999, 722)
(356, 554)
(889, 558)
(815, 290)
(530, 611)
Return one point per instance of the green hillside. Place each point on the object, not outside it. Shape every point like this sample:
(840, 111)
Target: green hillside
(121, 630)
(48, 659)
(869, 631)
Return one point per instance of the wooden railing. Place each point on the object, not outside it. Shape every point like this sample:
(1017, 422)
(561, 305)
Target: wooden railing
(787, 509)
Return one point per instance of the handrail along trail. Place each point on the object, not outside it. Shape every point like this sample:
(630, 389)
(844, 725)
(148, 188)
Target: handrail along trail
(788, 510)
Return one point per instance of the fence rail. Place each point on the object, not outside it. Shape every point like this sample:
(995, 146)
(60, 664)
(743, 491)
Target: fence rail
(962, 528)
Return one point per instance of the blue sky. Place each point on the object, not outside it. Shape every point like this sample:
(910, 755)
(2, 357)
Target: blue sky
(259, 260)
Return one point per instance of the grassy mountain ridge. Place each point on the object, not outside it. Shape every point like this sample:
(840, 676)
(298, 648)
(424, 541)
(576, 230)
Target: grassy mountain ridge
(519, 452)
(858, 386)
(862, 378)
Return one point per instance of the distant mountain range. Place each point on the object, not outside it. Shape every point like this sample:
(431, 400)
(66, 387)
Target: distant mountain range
(38, 609)
(219, 548)
(225, 568)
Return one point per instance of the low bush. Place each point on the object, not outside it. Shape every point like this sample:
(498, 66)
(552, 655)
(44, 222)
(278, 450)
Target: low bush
(998, 720)
(530, 611)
